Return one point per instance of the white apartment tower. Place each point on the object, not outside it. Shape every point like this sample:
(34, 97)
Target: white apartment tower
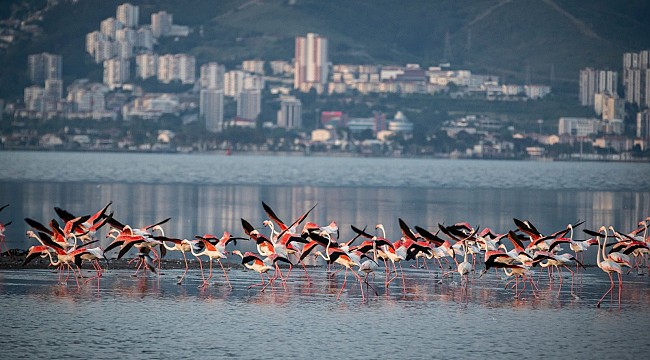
(179, 67)
(127, 34)
(44, 66)
(212, 76)
(290, 113)
(636, 77)
(161, 23)
(128, 15)
(104, 50)
(233, 82)
(54, 89)
(253, 66)
(643, 125)
(91, 39)
(249, 104)
(123, 49)
(596, 82)
(146, 66)
(116, 72)
(310, 63)
(144, 38)
(109, 26)
(211, 109)
(33, 98)
(186, 65)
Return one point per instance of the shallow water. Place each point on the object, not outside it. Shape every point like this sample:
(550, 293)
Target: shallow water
(151, 317)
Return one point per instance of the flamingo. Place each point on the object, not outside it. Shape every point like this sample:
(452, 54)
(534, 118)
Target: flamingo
(255, 263)
(182, 245)
(2, 232)
(607, 265)
(216, 252)
(465, 267)
(336, 255)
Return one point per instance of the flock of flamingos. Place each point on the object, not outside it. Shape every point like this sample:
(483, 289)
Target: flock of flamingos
(454, 249)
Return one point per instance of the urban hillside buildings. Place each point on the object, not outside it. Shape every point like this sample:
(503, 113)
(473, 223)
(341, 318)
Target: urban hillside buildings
(311, 63)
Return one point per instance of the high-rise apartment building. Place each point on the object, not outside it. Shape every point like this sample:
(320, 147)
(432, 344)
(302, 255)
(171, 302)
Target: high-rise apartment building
(104, 50)
(128, 15)
(593, 82)
(186, 65)
(253, 66)
(643, 125)
(109, 26)
(310, 63)
(116, 72)
(636, 77)
(161, 23)
(290, 113)
(211, 109)
(144, 38)
(146, 65)
(44, 66)
(181, 67)
(34, 98)
(249, 104)
(212, 76)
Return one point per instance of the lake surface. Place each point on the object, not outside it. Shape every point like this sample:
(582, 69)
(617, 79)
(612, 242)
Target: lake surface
(151, 318)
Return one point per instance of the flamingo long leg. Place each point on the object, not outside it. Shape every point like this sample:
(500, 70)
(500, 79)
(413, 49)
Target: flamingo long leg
(345, 279)
(610, 289)
(224, 273)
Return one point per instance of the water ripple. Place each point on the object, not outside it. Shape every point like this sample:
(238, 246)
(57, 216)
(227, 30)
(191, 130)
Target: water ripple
(320, 171)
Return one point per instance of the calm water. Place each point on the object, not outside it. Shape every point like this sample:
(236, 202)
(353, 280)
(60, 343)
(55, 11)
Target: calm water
(203, 193)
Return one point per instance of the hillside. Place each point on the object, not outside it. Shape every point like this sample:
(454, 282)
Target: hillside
(547, 41)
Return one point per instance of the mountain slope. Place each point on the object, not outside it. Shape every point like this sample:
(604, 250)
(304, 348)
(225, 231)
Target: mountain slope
(544, 41)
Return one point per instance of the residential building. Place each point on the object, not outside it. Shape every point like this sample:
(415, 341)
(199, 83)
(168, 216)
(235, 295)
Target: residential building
(53, 93)
(593, 81)
(180, 67)
(144, 38)
(91, 39)
(211, 109)
(643, 125)
(311, 63)
(146, 65)
(128, 15)
(212, 76)
(123, 49)
(104, 50)
(161, 23)
(44, 66)
(253, 66)
(109, 26)
(400, 124)
(249, 104)
(186, 68)
(290, 113)
(636, 78)
(281, 67)
(536, 91)
(578, 126)
(34, 98)
(151, 107)
(116, 72)
(233, 82)
(127, 34)
(609, 107)
(87, 97)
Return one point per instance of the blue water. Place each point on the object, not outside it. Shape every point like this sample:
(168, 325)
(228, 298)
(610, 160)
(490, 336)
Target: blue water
(321, 171)
(147, 317)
